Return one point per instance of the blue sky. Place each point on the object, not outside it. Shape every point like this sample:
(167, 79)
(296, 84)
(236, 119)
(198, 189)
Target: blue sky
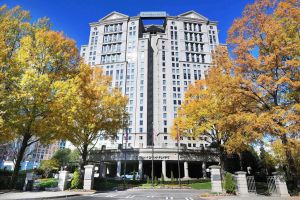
(73, 16)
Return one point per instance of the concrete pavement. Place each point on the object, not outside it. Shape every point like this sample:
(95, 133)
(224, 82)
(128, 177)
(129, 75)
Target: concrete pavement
(42, 194)
(133, 194)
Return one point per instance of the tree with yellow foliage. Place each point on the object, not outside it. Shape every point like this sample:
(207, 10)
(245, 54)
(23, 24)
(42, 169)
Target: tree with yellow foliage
(211, 109)
(90, 108)
(33, 61)
(265, 43)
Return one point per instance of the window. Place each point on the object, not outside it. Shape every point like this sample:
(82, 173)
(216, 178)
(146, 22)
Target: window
(165, 130)
(165, 137)
(141, 137)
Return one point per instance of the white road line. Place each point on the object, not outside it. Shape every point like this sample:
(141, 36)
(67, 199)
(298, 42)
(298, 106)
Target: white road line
(130, 196)
(111, 195)
(189, 198)
(169, 198)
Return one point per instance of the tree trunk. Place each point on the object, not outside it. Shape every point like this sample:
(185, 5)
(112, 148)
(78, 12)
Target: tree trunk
(290, 169)
(222, 159)
(84, 155)
(20, 156)
(241, 160)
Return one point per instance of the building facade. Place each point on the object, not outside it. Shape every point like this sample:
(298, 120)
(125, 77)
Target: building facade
(153, 64)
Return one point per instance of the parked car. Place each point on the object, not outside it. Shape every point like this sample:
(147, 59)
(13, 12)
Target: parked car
(130, 176)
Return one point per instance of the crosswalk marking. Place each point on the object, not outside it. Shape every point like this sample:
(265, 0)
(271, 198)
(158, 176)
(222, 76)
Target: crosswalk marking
(150, 196)
(111, 195)
(188, 198)
(130, 196)
(167, 198)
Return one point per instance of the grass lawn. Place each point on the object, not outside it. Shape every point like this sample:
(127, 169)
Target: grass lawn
(199, 186)
(102, 184)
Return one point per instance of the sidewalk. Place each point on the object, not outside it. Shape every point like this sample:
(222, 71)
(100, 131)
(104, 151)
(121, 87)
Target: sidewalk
(251, 198)
(42, 194)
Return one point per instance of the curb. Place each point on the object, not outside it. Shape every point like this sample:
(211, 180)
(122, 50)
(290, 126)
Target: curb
(56, 197)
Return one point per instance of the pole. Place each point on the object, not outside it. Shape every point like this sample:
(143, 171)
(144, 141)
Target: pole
(125, 159)
(152, 169)
(179, 179)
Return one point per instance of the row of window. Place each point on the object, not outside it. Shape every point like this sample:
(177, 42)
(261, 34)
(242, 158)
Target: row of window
(197, 37)
(189, 46)
(112, 28)
(194, 57)
(111, 48)
(94, 40)
(192, 27)
(112, 38)
(110, 58)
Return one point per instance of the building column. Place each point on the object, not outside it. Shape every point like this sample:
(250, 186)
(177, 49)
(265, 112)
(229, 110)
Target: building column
(141, 169)
(186, 170)
(204, 170)
(103, 171)
(119, 167)
(164, 168)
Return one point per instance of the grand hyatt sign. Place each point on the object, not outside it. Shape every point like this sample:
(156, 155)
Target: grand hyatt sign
(153, 14)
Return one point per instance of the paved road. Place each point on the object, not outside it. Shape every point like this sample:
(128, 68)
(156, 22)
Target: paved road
(144, 195)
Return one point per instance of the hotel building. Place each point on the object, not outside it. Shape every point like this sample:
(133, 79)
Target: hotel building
(153, 64)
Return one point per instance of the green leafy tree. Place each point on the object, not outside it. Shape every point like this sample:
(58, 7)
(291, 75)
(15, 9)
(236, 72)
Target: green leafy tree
(48, 166)
(62, 156)
(74, 158)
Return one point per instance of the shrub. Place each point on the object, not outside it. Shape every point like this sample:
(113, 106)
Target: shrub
(47, 183)
(134, 175)
(229, 184)
(172, 177)
(162, 178)
(76, 182)
(155, 181)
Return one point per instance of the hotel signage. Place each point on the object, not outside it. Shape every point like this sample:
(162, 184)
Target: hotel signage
(153, 14)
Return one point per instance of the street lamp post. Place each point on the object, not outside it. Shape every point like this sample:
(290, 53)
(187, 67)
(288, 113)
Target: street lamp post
(152, 167)
(179, 179)
(125, 158)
